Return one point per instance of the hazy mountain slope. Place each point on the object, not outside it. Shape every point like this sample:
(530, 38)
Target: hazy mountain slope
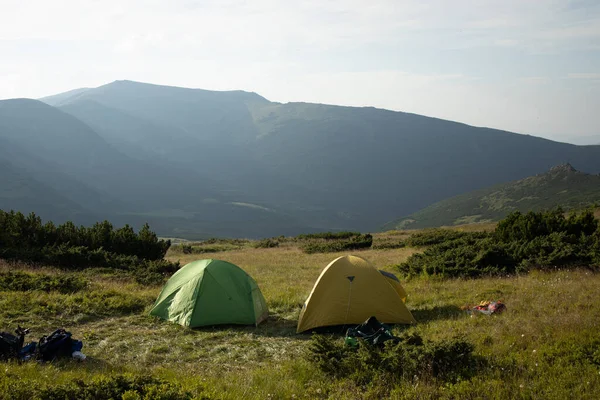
(205, 131)
(560, 186)
(20, 192)
(583, 140)
(78, 151)
(196, 113)
(134, 136)
(55, 177)
(70, 158)
(328, 166)
(58, 99)
(369, 161)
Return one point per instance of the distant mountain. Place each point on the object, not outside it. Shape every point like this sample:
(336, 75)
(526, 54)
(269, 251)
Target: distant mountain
(200, 162)
(60, 168)
(561, 186)
(582, 140)
(18, 190)
(58, 99)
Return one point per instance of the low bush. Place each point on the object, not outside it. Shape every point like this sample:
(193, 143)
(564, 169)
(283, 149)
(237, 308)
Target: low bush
(328, 235)
(521, 242)
(330, 246)
(18, 231)
(233, 242)
(210, 246)
(186, 249)
(266, 244)
(103, 387)
(202, 249)
(23, 282)
(69, 247)
(431, 237)
(406, 360)
(81, 257)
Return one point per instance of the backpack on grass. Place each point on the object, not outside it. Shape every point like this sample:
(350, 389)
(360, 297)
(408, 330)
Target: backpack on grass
(10, 345)
(58, 344)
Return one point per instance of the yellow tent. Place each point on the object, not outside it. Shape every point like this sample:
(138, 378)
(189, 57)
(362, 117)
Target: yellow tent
(395, 282)
(350, 290)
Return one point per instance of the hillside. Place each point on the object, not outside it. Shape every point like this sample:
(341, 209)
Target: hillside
(561, 186)
(67, 170)
(195, 162)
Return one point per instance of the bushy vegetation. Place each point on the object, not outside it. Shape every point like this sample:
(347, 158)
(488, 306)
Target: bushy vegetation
(125, 386)
(355, 242)
(545, 240)
(410, 359)
(24, 282)
(25, 238)
(18, 230)
(266, 244)
(329, 235)
(431, 237)
(213, 245)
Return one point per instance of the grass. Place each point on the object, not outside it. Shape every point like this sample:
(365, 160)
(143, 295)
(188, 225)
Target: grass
(542, 347)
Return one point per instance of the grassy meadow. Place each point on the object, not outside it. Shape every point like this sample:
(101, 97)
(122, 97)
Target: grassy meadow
(546, 345)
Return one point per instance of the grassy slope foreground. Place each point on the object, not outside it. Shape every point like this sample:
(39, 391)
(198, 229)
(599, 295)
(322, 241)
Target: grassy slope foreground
(561, 185)
(544, 346)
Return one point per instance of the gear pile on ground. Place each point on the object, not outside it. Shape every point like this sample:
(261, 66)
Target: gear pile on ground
(58, 344)
(489, 307)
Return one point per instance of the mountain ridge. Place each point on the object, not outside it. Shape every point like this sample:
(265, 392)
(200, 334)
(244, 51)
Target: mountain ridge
(562, 185)
(200, 154)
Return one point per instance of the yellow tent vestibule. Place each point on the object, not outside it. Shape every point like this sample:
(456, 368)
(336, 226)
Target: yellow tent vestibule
(349, 291)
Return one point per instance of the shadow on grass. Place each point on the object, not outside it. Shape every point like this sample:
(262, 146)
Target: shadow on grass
(274, 326)
(89, 364)
(437, 313)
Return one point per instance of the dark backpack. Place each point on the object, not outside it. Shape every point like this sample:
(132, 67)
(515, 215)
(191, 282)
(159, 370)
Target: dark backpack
(372, 331)
(58, 344)
(10, 345)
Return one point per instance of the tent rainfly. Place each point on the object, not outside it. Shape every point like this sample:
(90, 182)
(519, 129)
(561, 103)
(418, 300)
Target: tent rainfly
(211, 292)
(349, 291)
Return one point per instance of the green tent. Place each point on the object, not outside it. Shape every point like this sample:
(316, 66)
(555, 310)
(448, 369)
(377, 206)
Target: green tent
(211, 292)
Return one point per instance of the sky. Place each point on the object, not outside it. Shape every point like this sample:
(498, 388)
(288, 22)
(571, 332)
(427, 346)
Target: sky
(528, 66)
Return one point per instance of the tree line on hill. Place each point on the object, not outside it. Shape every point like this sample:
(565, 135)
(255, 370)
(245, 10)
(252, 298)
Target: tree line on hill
(27, 239)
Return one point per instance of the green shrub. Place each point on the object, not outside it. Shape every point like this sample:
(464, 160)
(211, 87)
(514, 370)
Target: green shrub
(23, 282)
(411, 357)
(437, 236)
(187, 249)
(544, 240)
(233, 242)
(328, 235)
(330, 246)
(266, 244)
(80, 258)
(20, 232)
(106, 388)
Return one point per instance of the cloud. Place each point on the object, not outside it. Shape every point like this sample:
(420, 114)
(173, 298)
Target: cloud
(584, 75)
(470, 60)
(506, 42)
(535, 80)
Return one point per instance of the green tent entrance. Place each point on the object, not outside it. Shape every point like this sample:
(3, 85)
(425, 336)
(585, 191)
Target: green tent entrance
(211, 292)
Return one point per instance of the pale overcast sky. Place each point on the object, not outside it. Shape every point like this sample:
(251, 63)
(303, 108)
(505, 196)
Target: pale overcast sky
(530, 66)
